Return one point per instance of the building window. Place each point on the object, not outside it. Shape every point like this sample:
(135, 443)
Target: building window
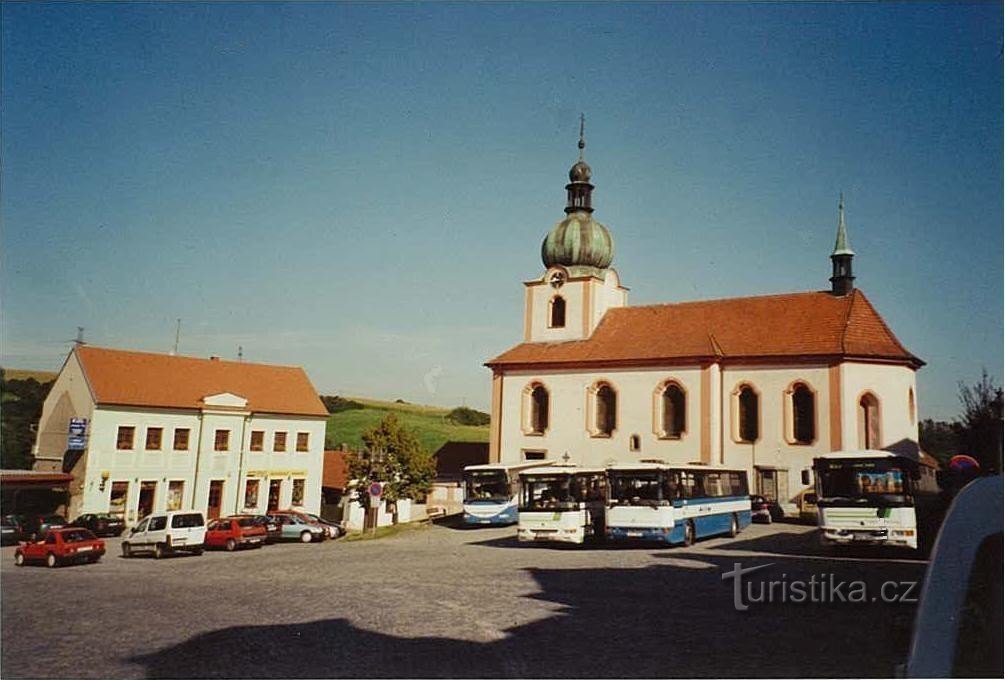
(868, 421)
(117, 499)
(303, 441)
(221, 440)
(912, 412)
(748, 411)
(124, 439)
(251, 494)
(804, 416)
(279, 442)
(298, 491)
(557, 316)
(535, 455)
(673, 410)
(176, 491)
(605, 410)
(154, 436)
(181, 439)
(536, 409)
(257, 440)
(635, 443)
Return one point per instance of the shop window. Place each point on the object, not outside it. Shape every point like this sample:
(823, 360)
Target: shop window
(176, 491)
(298, 491)
(251, 494)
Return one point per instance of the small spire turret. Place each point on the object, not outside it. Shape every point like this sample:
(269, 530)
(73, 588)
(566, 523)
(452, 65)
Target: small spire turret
(842, 280)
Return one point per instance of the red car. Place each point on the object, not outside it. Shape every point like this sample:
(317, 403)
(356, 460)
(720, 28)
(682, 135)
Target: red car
(60, 546)
(235, 532)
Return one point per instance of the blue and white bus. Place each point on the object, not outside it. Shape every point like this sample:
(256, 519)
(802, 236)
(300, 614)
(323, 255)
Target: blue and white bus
(491, 492)
(562, 503)
(675, 504)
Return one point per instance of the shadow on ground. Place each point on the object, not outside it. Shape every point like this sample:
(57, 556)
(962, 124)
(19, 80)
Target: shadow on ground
(670, 620)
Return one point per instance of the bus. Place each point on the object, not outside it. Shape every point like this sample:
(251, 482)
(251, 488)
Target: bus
(562, 503)
(675, 504)
(875, 497)
(491, 492)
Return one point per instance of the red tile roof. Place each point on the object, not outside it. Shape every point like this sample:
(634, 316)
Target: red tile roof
(795, 325)
(126, 378)
(335, 471)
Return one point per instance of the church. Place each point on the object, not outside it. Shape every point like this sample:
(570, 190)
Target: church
(761, 383)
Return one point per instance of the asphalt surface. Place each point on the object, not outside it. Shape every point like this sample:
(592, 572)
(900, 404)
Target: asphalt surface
(442, 601)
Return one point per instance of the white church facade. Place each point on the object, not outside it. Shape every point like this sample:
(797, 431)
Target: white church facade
(759, 383)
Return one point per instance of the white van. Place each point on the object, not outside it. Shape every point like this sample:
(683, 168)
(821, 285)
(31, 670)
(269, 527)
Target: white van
(164, 533)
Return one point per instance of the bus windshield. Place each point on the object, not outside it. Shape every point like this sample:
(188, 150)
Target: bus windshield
(863, 481)
(488, 485)
(641, 488)
(559, 492)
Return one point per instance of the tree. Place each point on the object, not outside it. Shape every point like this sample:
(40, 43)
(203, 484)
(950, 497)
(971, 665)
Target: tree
(938, 438)
(21, 410)
(462, 415)
(393, 456)
(979, 428)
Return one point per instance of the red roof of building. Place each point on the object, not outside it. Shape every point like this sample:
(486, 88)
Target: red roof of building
(335, 473)
(795, 325)
(125, 378)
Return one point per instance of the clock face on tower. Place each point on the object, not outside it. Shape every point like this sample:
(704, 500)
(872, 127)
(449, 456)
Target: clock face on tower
(557, 279)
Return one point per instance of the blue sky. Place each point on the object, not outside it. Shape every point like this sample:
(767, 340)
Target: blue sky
(360, 189)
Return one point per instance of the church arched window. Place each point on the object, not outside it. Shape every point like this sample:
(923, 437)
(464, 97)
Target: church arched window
(868, 421)
(672, 413)
(605, 410)
(557, 312)
(748, 414)
(536, 408)
(804, 418)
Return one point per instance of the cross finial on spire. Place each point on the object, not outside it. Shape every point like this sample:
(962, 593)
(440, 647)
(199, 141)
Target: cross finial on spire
(582, 140)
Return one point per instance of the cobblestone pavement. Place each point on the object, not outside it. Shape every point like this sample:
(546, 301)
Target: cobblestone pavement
(442, 601)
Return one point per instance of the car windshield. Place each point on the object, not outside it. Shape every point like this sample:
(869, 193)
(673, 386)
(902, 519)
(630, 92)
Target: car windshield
(77, 536)
(863, 481)
(489, 485)
(550, 492)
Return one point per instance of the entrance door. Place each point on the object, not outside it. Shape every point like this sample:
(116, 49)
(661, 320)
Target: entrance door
(148, 490)
(274, 487)
(215, 499)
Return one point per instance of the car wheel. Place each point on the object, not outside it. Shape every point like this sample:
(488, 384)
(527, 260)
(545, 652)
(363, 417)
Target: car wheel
(19, 559)
(159, 551)
(51, 561)
(197, 552)
(127, 550)
(306, 537)
(734, 527)
(689, 533)
(231, 545)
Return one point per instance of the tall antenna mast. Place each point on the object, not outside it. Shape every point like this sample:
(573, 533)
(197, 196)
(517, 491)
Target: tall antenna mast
(80, 336)
(240, 353)
(177, 336)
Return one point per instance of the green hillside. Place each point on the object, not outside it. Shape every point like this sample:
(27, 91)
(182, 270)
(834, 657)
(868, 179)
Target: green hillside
(428, 422)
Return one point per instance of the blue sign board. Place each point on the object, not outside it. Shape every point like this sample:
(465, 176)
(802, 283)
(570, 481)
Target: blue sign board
(77, 441)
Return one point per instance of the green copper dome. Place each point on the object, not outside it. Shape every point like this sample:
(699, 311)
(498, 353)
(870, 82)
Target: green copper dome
(578, 241)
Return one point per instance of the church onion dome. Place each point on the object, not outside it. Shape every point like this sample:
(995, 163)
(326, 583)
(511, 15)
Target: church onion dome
(578, 241)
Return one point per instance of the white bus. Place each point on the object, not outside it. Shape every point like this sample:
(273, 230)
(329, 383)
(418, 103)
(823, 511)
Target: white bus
(562, 503)
(874, 497)
(676, 504)
(491, 492)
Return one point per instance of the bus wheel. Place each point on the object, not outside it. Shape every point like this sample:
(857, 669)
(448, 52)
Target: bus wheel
(734, 527)
(689, 533)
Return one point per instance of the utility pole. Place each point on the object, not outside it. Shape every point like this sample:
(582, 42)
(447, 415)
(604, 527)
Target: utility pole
(177, 336)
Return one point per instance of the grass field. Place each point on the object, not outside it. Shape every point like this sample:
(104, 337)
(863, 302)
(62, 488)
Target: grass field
(428, 422)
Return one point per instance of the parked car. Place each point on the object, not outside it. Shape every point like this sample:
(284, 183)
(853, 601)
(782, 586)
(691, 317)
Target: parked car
(764, 510)
(273, 529)
(296, 528)
(11, 530)
(101, 523)
(332, 529)
(61, 546)
(232, 533)
(164, 533)
(958, 627)
(36, 525)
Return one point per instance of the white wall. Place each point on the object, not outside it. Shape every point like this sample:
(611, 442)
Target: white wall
(579, 292)
(890, 384)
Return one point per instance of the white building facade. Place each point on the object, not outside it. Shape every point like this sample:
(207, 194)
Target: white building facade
(759, 383)
(166, 432)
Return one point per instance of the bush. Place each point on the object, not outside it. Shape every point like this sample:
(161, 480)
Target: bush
(339, 404)
(462, 415)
